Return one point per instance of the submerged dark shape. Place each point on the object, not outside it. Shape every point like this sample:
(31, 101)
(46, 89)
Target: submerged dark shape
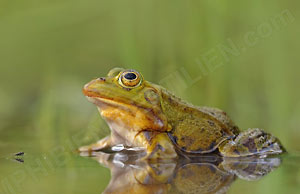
(205, 174)
(144, 115)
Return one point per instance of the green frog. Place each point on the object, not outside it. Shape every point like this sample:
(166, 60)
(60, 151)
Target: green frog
(146, 116)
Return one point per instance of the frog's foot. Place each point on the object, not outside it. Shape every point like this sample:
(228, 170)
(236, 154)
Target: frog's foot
(251, 142)
(99, 146)
(159, 146)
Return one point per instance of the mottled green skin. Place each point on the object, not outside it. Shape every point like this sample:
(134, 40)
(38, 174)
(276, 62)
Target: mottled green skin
(203, 130)
(196, 129)
(252, 142)
(142, 114)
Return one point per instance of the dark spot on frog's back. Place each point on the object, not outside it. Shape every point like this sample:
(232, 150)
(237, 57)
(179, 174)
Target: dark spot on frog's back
(211, 123)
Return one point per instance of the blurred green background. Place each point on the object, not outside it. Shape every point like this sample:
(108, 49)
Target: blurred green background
(240, 56)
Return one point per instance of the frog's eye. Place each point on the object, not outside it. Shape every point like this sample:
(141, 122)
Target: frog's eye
(130, 78)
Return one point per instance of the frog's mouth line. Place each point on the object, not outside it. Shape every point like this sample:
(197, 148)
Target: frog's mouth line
(102, 102)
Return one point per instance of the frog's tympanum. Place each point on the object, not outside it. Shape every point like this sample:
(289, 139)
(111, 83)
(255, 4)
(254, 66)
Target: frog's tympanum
(204, 174)
(146, 116)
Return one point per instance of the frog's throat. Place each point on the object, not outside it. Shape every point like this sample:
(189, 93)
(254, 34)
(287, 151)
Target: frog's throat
(133, 116)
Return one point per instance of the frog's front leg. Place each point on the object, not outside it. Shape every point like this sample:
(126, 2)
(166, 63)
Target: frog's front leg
(251, 142)
(158, 145)
(98, 146)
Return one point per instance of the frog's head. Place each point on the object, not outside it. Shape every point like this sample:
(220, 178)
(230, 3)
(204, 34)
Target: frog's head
(127, 101)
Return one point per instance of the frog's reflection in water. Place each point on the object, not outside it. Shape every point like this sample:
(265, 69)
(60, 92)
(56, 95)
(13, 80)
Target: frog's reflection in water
(206, 174)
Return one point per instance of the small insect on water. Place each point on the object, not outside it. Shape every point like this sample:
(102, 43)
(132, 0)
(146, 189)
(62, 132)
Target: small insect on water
(19, 156)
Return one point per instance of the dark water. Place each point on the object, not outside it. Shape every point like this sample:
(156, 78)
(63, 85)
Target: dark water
(58, 169)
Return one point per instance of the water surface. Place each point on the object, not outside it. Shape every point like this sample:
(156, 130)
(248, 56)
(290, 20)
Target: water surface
(58, 169)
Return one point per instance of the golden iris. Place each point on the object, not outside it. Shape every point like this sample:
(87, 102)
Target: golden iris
(130, 78)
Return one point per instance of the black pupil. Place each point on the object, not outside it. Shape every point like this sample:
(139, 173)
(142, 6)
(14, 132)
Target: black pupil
(130, 76)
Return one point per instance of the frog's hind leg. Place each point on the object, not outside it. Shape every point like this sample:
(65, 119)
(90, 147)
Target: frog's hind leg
(98, 146)
(251, 142)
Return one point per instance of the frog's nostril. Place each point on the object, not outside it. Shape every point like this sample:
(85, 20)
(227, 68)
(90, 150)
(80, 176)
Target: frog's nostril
(101, 78)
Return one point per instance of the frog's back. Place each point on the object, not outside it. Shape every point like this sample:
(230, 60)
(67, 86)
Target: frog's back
(221, 116)
(196, 129)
